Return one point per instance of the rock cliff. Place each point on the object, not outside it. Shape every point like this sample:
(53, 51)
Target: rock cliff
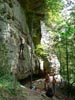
(13, 26)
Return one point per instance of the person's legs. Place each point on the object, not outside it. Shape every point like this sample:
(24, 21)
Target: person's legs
(53, 88)
(21, 54)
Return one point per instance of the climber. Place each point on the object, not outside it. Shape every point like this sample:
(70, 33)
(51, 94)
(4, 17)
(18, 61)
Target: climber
(22, 41)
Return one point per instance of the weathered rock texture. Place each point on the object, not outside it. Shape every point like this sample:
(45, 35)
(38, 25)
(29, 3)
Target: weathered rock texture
(12, 26)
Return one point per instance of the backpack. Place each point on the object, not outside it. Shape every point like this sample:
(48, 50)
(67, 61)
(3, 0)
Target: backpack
(49, 92)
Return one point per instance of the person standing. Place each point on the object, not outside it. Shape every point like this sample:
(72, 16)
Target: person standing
(47, 82)
(54, 84)
(48, 86)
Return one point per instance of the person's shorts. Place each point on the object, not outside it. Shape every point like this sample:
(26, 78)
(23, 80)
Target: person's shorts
(21, 46)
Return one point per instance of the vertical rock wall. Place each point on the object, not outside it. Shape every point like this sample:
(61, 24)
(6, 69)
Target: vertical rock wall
(12, 26)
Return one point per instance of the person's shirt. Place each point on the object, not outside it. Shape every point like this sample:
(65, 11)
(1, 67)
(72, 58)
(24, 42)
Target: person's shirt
(54, 81)
(23, 40)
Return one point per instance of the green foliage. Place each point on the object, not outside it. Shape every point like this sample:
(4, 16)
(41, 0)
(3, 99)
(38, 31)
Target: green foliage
(6, 87)
(6, 81)
(53, 5)
(40, 50)
(52, 15)
(68, 31)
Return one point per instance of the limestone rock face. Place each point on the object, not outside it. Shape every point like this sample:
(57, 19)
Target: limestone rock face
(12, 26)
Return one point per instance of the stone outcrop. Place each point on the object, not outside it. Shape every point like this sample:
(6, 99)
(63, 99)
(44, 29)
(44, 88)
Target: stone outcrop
(13, 26)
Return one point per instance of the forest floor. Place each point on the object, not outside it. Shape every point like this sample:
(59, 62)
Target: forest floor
(25, 93)
(22, 93)
(59, 95)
